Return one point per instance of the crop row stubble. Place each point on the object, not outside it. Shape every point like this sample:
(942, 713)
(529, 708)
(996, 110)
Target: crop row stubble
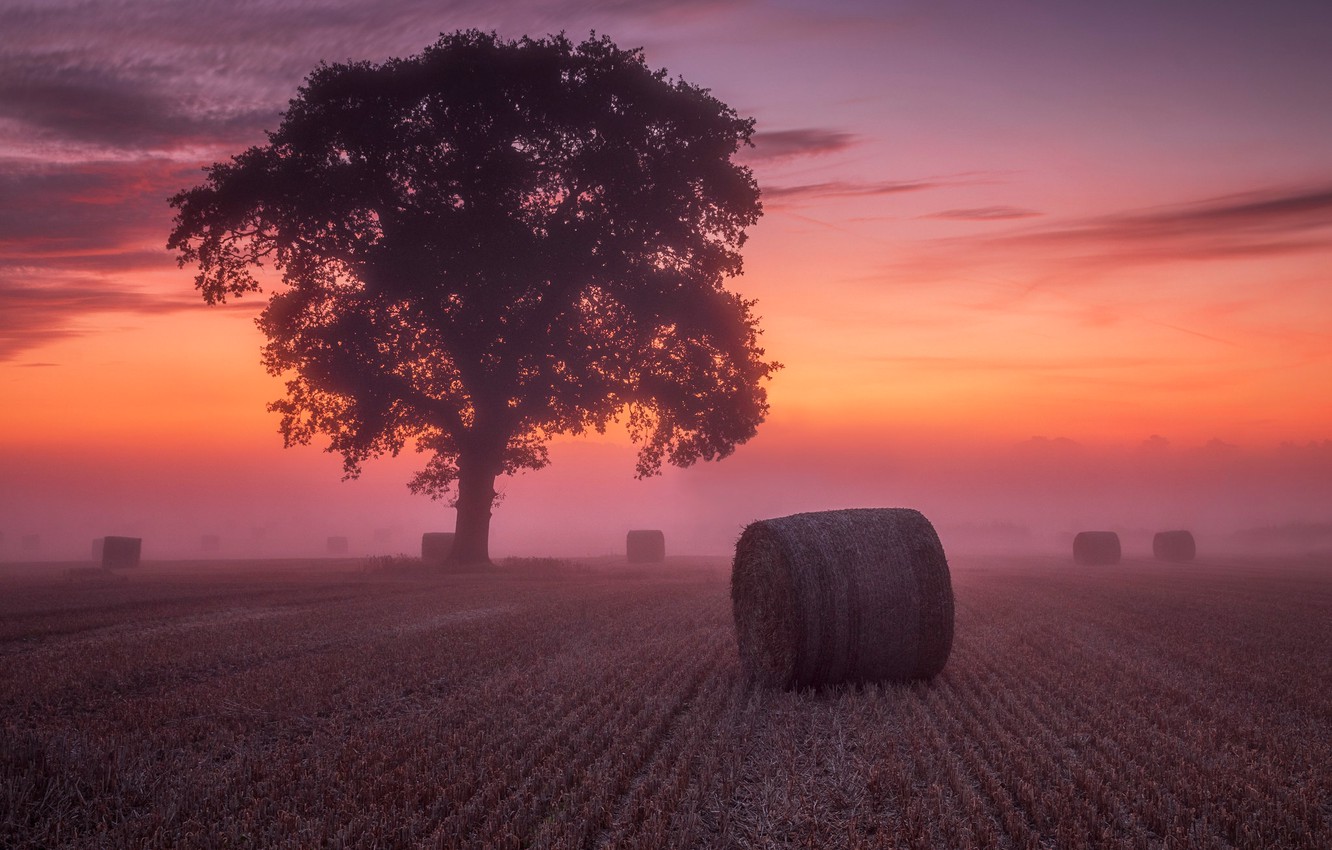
(1136, 710)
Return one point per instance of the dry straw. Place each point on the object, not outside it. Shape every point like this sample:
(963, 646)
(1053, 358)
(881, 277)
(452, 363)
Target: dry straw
(1096, 547)
(436, 546)
(1174, 546)
(855, 595)
(120, 552)
(642, 547)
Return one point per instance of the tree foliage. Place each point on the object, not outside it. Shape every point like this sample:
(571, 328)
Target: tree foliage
(490, 243)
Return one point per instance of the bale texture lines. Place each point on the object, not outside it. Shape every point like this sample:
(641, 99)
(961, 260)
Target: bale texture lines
(645, 546)
(1096, 547)
(856, 595)
(1174, 546)
(436, 546)
(121, 552)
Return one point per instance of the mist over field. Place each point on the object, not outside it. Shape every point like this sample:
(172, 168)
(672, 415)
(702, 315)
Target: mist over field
(1032, 496)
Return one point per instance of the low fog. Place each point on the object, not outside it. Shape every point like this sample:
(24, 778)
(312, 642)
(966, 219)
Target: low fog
(1031, 496)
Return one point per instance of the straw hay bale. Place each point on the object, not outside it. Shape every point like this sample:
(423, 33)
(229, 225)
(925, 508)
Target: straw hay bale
(644, 546)
(436, 546)
(121, 552)
(1096, 547)
(336, 545)
(1174, 546)
(855, 595)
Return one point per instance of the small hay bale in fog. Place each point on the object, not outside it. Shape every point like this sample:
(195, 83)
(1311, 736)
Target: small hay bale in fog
(336, 545)
(121, 552)
(643, 547)
(857, 595)
(1174, 546)
(210, 542)
(1096, 547)
(436, 546)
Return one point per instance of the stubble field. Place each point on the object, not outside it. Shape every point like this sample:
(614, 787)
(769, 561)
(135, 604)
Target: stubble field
(319, 704)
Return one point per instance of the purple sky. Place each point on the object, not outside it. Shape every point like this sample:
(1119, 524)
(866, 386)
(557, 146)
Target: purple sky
(992, 232)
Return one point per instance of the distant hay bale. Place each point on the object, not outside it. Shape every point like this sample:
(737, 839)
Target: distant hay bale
(1096, 547)
(210, 542)
(1174, 546)
(436, 546)
(856, 595)
(645, 547)
(121, 552)
(336, 545)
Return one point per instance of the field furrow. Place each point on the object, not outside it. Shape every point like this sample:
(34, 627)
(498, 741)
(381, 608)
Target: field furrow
(1137, 707)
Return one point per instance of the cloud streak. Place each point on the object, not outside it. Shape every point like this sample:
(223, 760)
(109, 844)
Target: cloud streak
(102, 109)
(997, 213)
(783, 145)
(32, 315)
(73, 236)
(61, 215)
(1261, 223)
(835, 189)
(163, 75)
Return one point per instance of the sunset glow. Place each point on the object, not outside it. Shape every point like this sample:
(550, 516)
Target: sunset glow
(1045, 263)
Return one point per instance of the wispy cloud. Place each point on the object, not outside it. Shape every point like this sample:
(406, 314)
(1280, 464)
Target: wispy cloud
(72, 236)
(1063, 256)
(91, 213)
(844, 189)
(164, 75)
(782, 145)
(107, 109)
(34, 314)
(1249, 224)
(999, 213)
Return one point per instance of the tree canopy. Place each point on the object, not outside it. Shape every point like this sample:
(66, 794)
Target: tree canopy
(488, 244)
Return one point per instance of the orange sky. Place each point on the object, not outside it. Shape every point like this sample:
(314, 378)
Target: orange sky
(985, 231)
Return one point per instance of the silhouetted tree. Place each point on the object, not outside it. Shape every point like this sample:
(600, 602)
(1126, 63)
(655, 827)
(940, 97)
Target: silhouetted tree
(489, 244)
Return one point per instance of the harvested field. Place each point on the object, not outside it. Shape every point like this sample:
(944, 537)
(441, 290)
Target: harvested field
(298, 704)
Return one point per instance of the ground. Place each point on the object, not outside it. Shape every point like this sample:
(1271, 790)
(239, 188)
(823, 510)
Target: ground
(343, 703)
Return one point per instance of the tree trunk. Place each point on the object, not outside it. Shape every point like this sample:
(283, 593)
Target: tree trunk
(476, 496)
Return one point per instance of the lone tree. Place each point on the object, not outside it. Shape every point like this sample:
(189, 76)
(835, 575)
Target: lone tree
(489, 244)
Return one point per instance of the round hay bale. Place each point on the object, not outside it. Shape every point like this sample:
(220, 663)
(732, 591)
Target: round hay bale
(643, 547)
(1174, 546)
(858, 595)
(436, 546)
(121, 552)
(1096, 547)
